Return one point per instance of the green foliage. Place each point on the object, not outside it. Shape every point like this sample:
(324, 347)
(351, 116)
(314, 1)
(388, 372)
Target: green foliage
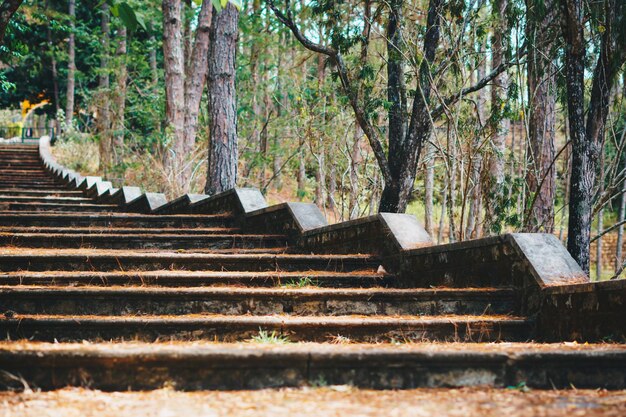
(300, 283)
(272, 337)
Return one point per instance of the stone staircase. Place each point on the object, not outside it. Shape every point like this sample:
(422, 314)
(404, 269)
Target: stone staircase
(101, 289)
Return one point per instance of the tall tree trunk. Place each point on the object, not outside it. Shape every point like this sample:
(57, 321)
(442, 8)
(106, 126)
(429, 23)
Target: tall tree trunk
(396, 90)
(222, 155)
(542, 117)
(452, 164)
(619, 257)
(174, 65)
(195, 80)
(103, 124)
(355, 162)
(301, 170)
(55, 76)
(429, 185)
(493, 189)
(587, 141)
(404, 154)
(442, 215)
(255, 52)
(71, 66)
(119, 97)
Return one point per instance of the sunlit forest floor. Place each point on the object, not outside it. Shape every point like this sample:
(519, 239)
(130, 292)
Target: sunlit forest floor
(323, 401)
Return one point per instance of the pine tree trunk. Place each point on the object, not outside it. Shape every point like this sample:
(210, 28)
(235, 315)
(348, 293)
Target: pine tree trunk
(587, 141)
(452, 151)
(493, 185)
(71, 66)
(195, 80)
(301, 170)
(429, 185)
(619, 257)
(174, 65)
(103, 124)
(119, 97)
(442, 216)
(222, 155)
(542, 118)
(404, 150)
(355, 161)
(55, 77)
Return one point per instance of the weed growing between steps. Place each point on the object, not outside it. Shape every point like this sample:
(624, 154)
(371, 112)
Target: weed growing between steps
(268, 337)
(300, 283)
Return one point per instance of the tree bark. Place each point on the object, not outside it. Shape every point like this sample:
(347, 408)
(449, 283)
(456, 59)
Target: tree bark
(619, 257)
(429, 185)
(222, 155)
(7, 10)
(195, 80)
(542, 95)
(103, 124)
(119, 97)
(174, 65)
(493, 185)
(404, 155)
(71, 66)
(587, 141)
(55, 77)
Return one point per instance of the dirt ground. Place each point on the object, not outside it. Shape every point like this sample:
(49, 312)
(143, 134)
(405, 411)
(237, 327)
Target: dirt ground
(326, 401)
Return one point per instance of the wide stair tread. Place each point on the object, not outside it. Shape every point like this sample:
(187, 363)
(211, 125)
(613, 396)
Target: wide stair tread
(209, 366)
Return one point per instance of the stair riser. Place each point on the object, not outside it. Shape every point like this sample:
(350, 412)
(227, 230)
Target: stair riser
(58, 207)
(259, 305)
(233, 331)
(19, 186)
(271, 369)
(31, 193)
(25, 220)
(119, 231)
(22, 172)
(112, 263)
(142, 242)
(46, 200)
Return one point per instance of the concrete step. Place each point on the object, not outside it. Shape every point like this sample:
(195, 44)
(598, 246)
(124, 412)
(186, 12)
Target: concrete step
(27, 183)
(113, 220)
(120, 230)
(247, 366)
(60, 207)
(365, 278)
(124, 260)
(53, 199)
(137, 301)
(372, 329)
(41, 193)
(20, 172)
(142, 241)
(28, 186)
